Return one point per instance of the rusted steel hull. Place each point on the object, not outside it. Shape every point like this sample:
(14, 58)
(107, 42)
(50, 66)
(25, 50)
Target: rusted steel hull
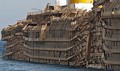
(67, 37)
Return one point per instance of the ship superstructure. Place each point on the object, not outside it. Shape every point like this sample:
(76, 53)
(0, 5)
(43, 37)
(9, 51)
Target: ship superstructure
(111, 34)
(66, 35)
(50, 36)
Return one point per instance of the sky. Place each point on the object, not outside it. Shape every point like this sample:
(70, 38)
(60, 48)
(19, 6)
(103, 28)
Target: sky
(13, 10)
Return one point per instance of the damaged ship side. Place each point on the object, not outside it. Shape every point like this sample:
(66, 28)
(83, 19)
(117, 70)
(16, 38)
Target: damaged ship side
(67, 36)
(49, 37)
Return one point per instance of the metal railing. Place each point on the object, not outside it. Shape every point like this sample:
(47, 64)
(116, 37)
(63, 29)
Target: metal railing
(35, 12)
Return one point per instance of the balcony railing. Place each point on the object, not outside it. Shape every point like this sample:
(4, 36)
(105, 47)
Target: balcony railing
(112, 62)
(50, 49)
(113, 27)
(51, 58)
(35, 12)
(6, 54)
(111, 50)
(111, 37)
(7, 37)
(13, 44)
(111, 14)
(49, 39)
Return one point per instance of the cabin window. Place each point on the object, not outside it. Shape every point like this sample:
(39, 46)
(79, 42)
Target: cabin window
(36, 34)
(48, 24)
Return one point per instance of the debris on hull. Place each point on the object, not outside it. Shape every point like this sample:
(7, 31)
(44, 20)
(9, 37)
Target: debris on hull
(60, 35)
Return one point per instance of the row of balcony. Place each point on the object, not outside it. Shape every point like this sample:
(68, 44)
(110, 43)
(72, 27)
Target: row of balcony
(50, 58)
(49, 39)
(6, 37)
(39, 35)
(111, 35)
(50, 48)
(112, 26)
(111, 50)
(112, 62)
(111, 14)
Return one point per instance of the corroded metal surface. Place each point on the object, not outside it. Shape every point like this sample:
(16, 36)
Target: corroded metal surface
(60, 35)
(111, 34)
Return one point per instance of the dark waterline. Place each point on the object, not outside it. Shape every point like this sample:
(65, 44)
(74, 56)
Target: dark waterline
(11, 65)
